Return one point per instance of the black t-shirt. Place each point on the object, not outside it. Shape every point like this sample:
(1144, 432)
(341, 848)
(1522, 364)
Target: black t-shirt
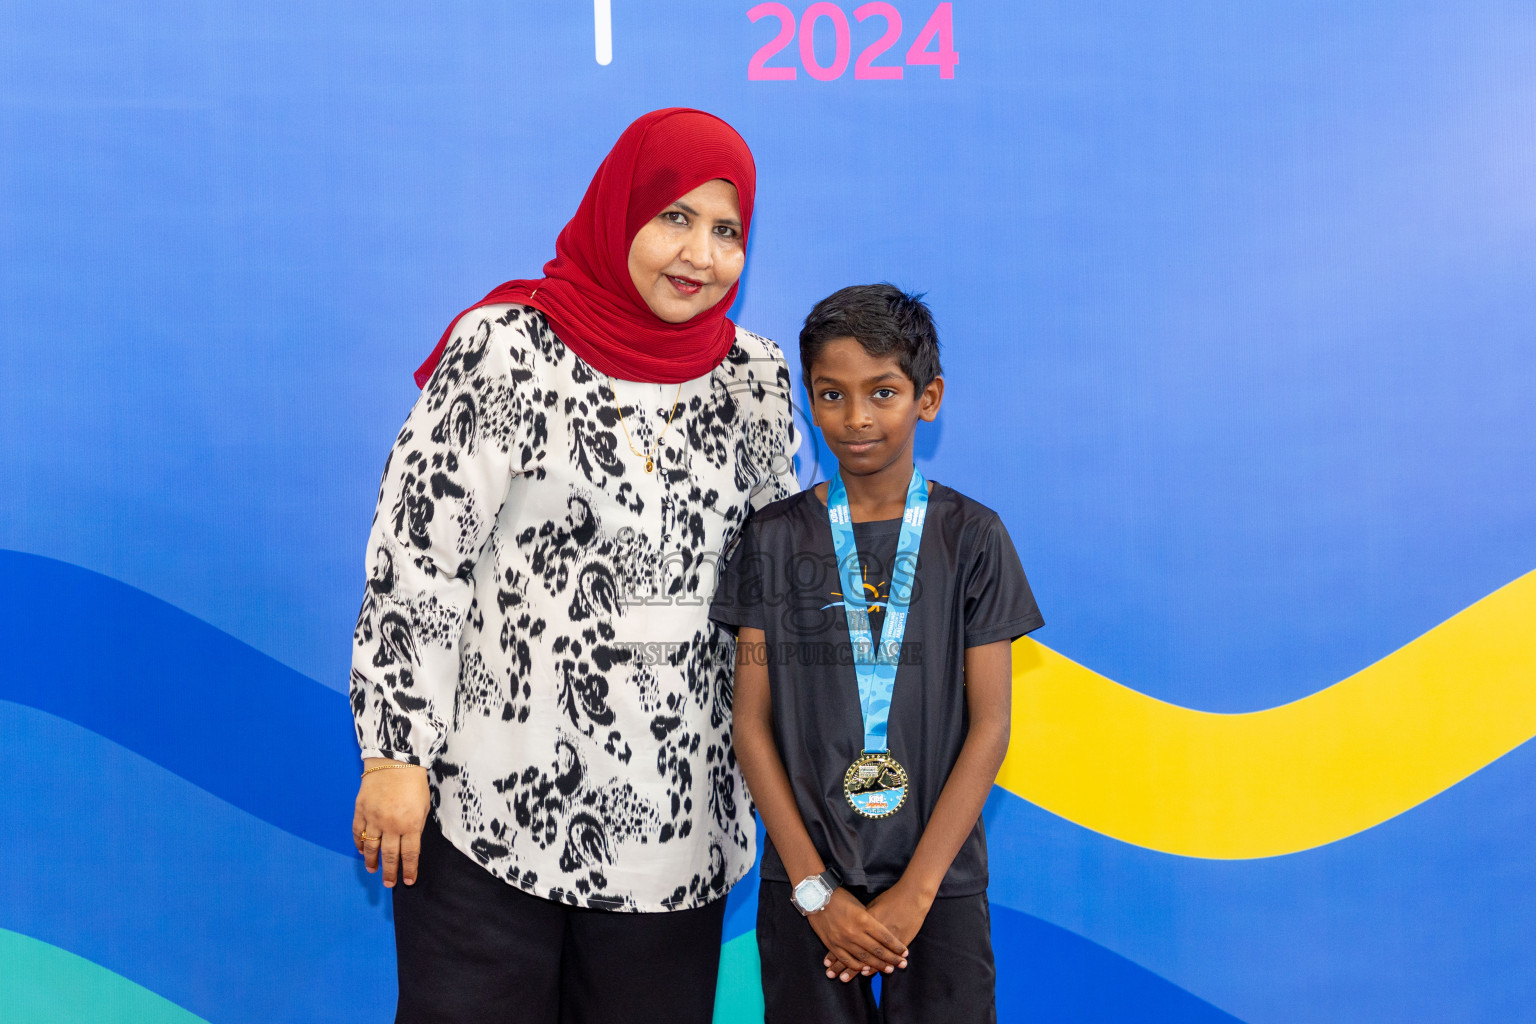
(782, 578)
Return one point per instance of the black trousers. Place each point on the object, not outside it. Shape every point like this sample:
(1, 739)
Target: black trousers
(949, 976)
(474, 950)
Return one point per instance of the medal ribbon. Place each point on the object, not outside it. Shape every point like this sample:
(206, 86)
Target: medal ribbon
(875, 665)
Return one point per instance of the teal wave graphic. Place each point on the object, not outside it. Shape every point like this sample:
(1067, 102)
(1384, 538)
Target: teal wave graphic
(42, 984)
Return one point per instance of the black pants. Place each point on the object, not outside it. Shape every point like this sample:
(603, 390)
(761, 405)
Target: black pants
(949, 974)
(474, 950)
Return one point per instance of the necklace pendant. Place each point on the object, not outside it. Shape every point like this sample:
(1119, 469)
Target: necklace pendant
(650, 464)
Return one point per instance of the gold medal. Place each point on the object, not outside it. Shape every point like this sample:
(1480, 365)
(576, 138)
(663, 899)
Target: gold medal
(875, 785)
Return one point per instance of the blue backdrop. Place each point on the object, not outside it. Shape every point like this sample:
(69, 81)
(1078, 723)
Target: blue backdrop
(1238, 313)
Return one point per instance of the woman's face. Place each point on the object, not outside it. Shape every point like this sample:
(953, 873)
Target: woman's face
(688, 256)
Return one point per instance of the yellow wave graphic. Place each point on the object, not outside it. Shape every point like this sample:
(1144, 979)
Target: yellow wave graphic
(1290, 778)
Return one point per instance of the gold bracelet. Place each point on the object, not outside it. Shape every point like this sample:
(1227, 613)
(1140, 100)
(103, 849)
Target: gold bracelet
(392, 764)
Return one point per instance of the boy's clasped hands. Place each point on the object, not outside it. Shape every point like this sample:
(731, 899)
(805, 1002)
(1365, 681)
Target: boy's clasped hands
(864, 940)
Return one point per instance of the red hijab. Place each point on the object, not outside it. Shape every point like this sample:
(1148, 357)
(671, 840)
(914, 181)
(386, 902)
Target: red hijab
(586, 290)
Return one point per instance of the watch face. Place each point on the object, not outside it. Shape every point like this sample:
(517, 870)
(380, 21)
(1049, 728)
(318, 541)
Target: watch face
(811, 894)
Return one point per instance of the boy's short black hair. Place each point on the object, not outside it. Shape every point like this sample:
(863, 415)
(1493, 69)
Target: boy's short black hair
(882, 318)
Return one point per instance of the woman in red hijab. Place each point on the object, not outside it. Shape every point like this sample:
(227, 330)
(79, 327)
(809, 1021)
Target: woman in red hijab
(542, 703)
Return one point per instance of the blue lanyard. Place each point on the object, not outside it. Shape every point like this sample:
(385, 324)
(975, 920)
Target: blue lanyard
(875, 665)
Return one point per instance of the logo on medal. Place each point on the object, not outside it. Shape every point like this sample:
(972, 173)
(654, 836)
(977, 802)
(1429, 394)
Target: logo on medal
(876, 785)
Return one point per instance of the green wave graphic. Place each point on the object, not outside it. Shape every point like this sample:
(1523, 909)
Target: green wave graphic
(43, 984)
(739, 994)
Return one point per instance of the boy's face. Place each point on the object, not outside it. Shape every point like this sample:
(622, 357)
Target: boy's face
(866, 408)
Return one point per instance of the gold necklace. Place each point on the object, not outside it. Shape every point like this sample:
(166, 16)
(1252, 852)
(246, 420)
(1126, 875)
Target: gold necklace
(649, 457)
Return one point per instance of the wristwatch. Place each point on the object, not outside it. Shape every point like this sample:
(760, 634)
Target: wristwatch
(814, 893)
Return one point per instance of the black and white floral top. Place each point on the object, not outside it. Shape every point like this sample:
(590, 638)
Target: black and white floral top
(535, 628)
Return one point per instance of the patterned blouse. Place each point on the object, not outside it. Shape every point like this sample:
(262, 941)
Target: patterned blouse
(535, 627)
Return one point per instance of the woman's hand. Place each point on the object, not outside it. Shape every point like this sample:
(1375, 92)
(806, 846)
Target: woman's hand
(856, 942)
(391, 811)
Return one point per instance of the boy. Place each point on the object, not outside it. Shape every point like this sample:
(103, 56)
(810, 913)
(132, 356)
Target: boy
(874, 616)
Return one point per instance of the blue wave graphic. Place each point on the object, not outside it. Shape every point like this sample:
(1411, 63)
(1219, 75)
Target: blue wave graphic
(157, 880)
(1426, 917)
(193, 699)
(188, 696)
(1290, 938)
(1048, 973)
(1044, 973)
(741, 904)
